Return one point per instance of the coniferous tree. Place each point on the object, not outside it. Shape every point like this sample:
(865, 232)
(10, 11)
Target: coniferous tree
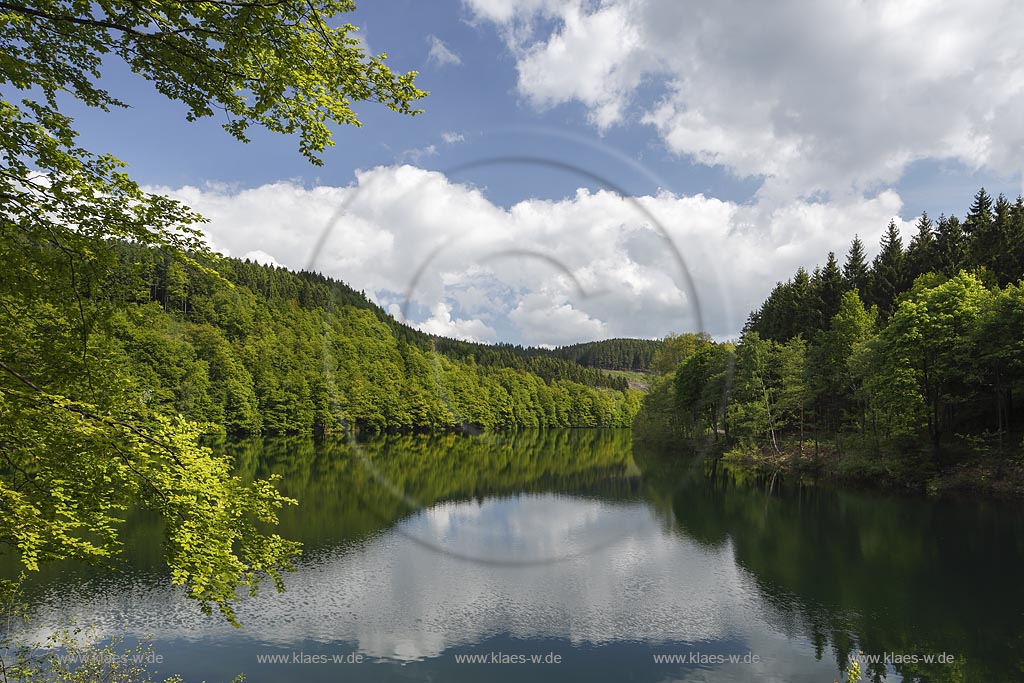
(979, 226)
(802, 310)
(921, 254)
(950, 245)
(999, 254)
(771, 320)
(814, 300)
(1017, 240)
(888, 272)
(856, 271)
(943, 361)
(979, 217)
(830, 290)
(790, 310)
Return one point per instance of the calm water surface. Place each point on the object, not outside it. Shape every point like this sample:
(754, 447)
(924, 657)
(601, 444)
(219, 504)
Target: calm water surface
(582, 547)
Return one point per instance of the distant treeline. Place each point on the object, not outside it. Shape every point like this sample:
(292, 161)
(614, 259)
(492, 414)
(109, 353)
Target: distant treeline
(612, 354)
(314, 290)
(908, 366)
(260, 349)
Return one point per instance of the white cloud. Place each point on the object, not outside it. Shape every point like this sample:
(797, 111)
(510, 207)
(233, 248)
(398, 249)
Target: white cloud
(542, 271)
(451, 138)
(504, 11)
(550, 319)
(441, 323)
(837, 96)
(418, 154)
(362, 35)
(260, 256)
(441, 54)
(568, 67)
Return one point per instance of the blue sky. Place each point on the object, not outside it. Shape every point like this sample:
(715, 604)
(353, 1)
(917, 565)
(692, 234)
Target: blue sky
(759, 136)
(476, 98)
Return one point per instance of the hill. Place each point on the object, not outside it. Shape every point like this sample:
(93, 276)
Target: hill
(261, 349)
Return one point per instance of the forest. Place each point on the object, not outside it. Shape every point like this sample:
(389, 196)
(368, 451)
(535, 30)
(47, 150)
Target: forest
(613, 354)
(908, 369)
(252, 349)
(127, 346)
(125, 360)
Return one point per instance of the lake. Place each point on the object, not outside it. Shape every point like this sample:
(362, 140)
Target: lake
(578, 555)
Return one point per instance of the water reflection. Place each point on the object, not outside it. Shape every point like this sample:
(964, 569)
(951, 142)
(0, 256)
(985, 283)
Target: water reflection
(857, 570)
(676, 560)
(392, 599)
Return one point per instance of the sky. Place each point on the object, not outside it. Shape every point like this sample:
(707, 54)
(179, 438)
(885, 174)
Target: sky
(587, 170)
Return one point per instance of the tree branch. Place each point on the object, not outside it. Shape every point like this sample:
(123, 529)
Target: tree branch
(93, 416)
(130, 30)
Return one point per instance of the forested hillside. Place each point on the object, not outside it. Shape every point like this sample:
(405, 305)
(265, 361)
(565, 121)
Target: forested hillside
(612, 354)
(904, 368)
(258, 349)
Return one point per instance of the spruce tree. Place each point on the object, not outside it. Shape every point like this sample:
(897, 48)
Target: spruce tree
(802, 309)
(982, 241)
(855, 271)
(888, 277)
(999, 257)
(980, 215)
(772, 320)
(815, 300)
(830, 288)
(921, 256)
(950, 245)
(1017, 240)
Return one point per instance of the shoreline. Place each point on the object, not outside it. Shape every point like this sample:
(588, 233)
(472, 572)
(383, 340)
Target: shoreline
(977, 477)
(908, 471)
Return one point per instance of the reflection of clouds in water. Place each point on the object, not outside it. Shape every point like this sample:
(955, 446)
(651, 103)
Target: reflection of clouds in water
(541, 529)
(779, 660)
(397, 599)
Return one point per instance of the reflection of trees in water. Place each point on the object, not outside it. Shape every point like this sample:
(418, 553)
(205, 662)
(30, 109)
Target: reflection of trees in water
(341, 497)
(342, 500)
(874, 572)
(842, 569)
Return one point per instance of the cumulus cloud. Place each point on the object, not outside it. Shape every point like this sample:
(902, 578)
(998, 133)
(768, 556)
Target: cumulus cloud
(592, 265)
(443, 324)
(451, 138)
(553, 320)
(835, 97)
(260, 256)
(441, 54)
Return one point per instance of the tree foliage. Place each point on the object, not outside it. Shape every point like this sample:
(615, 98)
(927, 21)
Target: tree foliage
(85, 428)
(929, 368)
(613, 354)
(280, 65)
